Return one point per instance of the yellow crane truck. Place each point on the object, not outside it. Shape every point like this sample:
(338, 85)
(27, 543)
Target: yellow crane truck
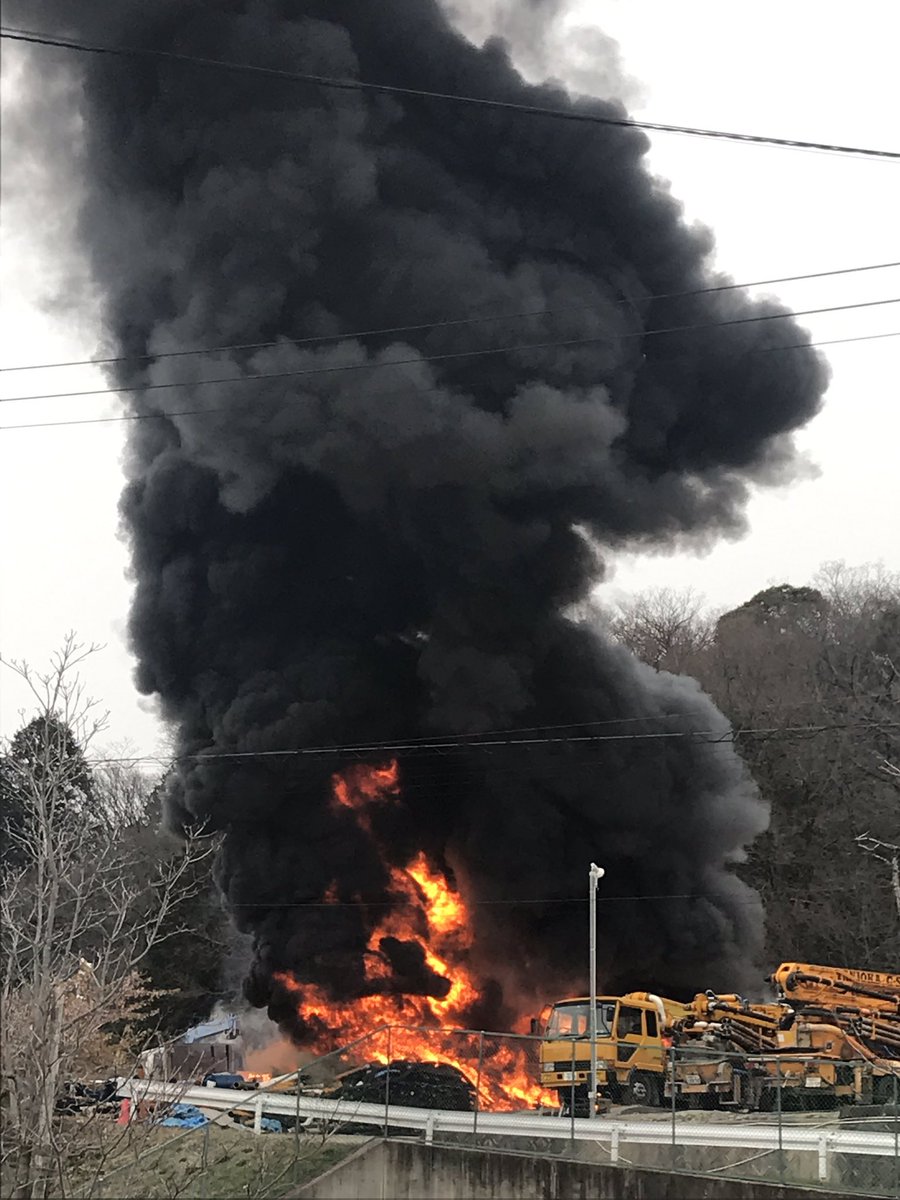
(832, 1031)
(863, 1007)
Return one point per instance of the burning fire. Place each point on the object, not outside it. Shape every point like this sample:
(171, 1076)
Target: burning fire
(431, 914)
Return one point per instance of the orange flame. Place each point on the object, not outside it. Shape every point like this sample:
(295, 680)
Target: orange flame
(427, 911)
(360, 785)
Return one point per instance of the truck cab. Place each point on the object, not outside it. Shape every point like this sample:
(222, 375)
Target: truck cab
(631, 1049)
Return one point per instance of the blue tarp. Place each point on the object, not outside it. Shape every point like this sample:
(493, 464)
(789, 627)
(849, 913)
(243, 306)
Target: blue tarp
(184, 1116)
(187, 1116)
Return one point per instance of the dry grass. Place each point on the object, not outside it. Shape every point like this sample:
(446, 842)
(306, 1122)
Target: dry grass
(214, 1162)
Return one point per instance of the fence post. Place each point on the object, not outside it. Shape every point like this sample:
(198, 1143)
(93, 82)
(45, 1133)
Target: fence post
(387, 1081)
(672, 1089)
(572, 1090)
(478, 1082)
(297, 1123)
(780, 1128)
(823, 1157)
(896, 1139)
(202, 1181)
(257, 1115)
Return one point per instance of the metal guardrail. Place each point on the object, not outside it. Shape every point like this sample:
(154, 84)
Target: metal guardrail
(604, 1129)
(486, 1086)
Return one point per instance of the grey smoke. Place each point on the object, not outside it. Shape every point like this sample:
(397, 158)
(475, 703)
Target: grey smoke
(388, 552)
(545, 42)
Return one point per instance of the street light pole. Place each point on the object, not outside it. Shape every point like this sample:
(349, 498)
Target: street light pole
(596, 874)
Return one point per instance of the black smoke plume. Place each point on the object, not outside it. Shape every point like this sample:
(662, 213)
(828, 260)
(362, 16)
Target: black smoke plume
(336, 557)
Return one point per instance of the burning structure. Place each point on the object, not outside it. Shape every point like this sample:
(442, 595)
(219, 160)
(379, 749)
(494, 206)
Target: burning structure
(369, 544)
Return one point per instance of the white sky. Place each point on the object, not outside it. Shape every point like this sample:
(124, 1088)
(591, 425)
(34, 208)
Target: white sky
(797, 69)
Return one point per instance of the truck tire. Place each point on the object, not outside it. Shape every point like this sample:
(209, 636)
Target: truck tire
(643, 1088)
(581, 1103)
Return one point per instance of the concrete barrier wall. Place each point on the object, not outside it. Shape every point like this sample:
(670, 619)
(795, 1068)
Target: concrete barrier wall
(413, 1171)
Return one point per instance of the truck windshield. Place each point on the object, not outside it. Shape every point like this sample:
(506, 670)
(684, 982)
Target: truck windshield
(572, 1020)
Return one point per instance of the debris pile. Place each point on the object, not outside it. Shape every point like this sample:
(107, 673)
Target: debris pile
(414, 1084)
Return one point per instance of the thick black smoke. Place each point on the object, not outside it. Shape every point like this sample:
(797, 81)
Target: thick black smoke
(346, 556)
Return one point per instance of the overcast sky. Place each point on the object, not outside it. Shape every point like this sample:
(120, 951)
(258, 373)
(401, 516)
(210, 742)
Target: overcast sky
(786, 70)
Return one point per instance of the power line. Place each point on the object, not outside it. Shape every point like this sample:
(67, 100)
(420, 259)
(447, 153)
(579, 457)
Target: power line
(445, 357)
(506, 731)
(430, 325)
(382, 900)
(865, 337)
(356, 85)
(446, 737)
(710, 736)
(443, 738)
(232, 409)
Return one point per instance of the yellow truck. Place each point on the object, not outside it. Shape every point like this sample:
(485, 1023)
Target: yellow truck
(832, 1032)
(634, 1043)
(851, 1015)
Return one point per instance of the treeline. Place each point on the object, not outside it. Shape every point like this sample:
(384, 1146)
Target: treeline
(90, 880)
(810, 680)
(103, 938)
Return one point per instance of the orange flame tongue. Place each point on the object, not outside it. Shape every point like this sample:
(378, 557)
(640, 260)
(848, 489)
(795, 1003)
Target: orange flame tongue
(361, 785)
(447, 915)
(428, 912)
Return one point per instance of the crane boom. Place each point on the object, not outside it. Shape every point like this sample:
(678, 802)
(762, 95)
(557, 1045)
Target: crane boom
(832, 1029)
(803, 983)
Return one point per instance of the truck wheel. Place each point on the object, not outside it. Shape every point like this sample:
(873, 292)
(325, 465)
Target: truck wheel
(643, 1088)
(884, 1090)
(582, 1106)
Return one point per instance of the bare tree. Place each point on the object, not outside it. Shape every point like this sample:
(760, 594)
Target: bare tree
(860, 676)
(122, 789)
(859, 684)
(81, 906)
(887, 853)
(805, 675)
(665, 627)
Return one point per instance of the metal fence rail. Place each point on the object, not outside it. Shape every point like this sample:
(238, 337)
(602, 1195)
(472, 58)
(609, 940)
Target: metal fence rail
(515, 1124)
(616, 1136)
(801, 1141)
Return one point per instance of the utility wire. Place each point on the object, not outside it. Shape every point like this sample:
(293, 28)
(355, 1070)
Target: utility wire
(381, 900)
(430, 325)
(443, 738)
(357, 85)
(711, 736)
(865, 337)
(449, 356)
(232, 409)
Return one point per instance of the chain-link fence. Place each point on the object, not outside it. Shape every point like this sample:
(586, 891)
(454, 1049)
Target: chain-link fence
(803, 1121)
(800, 1120)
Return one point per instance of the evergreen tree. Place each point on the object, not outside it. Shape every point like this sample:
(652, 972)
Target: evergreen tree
(43, 752)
